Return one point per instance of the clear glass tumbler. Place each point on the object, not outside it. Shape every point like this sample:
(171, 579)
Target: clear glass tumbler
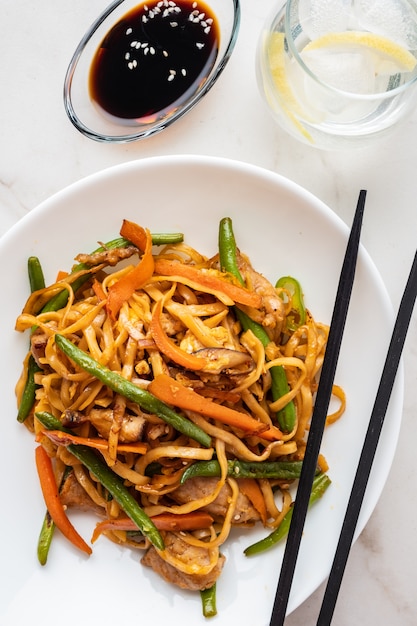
(338, 74)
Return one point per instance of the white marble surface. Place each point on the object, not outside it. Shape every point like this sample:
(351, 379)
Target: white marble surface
(40, 152)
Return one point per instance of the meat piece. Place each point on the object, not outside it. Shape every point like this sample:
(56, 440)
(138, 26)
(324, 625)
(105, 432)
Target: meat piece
(231, 362)
(107, 257)
(74, 496)
(190, 555)
(199, 487)
(102, 419)
(131, 428)
(272, 313)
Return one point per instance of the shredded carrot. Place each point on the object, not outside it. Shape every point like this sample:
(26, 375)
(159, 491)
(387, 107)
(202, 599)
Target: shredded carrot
(195, 520)
(171, 391)
(99, 291)
(65, 439)
(169, 348)
(250, 488)
(209, 279)
(53, 502)
(121, 291)
(62, 274)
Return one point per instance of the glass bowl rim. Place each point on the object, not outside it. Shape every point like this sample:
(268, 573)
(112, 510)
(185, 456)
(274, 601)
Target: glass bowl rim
(149, 130)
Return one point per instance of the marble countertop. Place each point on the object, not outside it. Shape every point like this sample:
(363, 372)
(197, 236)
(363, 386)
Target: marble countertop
(41, 152)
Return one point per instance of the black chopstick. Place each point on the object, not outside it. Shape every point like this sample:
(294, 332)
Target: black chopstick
(318, 420)
(369, 447)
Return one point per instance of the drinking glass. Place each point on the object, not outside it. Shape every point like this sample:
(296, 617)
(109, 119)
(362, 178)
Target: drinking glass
(338, 74)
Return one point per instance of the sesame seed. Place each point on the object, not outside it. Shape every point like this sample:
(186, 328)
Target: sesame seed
(207, 30)
(184, 72)
(129, 31)
(127, 56)
(165, 53)
(173, 24)
(152, 50)
(200, 46)
(171, 77)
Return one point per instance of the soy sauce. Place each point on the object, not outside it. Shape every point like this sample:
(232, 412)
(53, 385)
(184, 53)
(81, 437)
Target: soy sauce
(154, 59)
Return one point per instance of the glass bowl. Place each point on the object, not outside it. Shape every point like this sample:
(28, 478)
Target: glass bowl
(142, 48)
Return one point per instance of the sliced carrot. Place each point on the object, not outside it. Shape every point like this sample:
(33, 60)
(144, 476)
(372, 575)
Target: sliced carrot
(121, 291)
(195, 520)
(65, 439)
(210, 279)
(99, 291)
(250, 488)
(172, 392)
(53, 502)
(62, 274)
(169, 348)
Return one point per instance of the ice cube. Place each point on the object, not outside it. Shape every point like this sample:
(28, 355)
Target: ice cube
(318, 17)
(394, 19)
(349, 70)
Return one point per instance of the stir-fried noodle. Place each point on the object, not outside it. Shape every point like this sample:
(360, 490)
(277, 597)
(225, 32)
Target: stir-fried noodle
(169, 323)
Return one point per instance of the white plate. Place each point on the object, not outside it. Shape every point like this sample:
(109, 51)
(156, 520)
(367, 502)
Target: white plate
(285, 230)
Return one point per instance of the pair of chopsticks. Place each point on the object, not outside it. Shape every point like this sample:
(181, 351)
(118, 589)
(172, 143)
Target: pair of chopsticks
(317, 428)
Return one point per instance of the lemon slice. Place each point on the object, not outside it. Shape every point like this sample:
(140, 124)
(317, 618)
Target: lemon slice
(289, 104)
(391, 56)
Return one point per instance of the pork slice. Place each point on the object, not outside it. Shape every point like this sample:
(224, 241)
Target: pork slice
(192, 555)
(200, 487)
(74, 496)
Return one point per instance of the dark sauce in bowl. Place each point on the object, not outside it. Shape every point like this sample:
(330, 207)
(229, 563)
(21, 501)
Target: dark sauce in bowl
(154, 59)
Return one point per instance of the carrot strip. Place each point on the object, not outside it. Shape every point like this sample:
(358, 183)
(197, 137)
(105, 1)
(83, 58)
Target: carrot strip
(65, 439)
(250, 488)
(172, 392)
(195, 520)
(121, 291)
(53, 501)
(209, 279)
(169, 348)
(62, 274)
(99, 291)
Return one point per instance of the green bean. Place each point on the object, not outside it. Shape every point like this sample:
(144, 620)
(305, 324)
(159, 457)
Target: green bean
(36, 281)
(284, 470)
(113, 483)
(208, 600)
(163, 239)
(320, 484)
(129, 390)
(28, 395)
(35, 273)
(286, 416)
(45, 538)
